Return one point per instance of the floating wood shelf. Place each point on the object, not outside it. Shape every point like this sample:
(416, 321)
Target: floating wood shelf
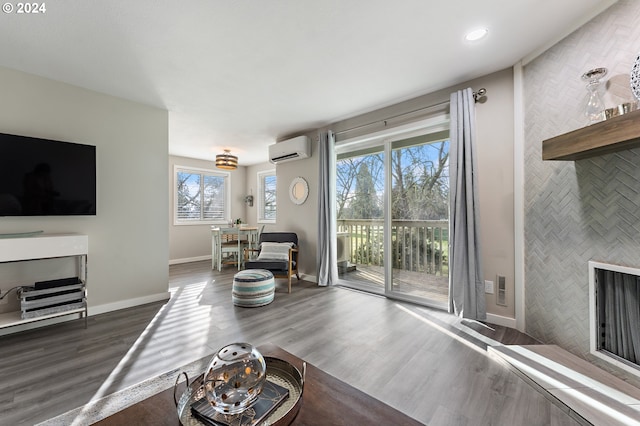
(615, 134)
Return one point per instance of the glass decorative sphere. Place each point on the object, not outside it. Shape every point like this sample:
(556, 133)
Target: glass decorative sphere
(234, 378)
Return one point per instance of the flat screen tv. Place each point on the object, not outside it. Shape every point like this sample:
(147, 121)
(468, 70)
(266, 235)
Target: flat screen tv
(43, 177)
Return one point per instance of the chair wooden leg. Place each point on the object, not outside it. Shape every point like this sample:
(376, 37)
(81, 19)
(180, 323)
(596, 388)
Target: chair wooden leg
(289, 283)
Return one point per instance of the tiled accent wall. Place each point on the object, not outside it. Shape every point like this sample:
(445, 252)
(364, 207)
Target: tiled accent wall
(583, 210)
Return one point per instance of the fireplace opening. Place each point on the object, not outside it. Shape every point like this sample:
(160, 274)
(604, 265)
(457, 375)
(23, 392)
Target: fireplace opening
(615, 314)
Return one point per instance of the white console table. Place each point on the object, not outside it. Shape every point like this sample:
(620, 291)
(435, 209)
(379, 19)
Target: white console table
(45, 246)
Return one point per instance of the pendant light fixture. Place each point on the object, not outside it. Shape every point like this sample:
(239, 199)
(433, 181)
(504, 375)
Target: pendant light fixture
(226, 161)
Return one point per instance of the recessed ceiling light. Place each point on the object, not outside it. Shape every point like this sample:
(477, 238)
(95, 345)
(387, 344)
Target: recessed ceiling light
(477, 34)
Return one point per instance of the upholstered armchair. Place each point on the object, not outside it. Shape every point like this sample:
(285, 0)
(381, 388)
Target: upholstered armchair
(277, 252)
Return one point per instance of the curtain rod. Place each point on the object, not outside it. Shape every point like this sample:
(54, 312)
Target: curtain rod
(476, 97)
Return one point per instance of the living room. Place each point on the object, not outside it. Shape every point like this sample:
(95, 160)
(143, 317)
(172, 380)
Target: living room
(539, 219)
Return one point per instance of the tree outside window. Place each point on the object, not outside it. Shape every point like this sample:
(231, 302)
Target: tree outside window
(267, 206)
(420, 183)
(418, 173)
(201, 196)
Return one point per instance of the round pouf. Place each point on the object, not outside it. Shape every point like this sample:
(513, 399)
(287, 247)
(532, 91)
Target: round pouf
(252, 288)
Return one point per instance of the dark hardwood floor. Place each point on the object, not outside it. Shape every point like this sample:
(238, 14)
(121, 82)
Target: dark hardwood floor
(423, 362)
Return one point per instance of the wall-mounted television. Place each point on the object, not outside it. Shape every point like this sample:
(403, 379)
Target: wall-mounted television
(43, 177)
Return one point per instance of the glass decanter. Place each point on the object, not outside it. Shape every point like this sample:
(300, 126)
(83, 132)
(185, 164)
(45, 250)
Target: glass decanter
(594, 110)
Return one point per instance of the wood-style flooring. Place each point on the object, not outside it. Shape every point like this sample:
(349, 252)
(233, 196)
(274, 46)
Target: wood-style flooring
(423, 362)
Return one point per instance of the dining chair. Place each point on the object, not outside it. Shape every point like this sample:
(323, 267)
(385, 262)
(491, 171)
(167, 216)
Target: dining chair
(215, 247)
(230, 244)
(226, 246)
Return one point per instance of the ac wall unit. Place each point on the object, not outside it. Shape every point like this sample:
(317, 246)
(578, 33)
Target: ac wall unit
(289, 150)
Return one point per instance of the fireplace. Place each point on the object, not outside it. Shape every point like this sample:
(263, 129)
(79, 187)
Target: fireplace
(614, 314)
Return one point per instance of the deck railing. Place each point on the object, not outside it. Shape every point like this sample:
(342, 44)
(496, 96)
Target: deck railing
(416, 245)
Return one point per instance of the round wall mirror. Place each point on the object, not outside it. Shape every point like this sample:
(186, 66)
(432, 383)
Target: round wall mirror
(298, 190)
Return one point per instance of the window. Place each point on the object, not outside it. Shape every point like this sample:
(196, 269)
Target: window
(201, 196)
(267, 196)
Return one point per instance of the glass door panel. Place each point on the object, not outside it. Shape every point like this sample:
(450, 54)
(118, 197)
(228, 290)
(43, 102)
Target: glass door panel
(360, 188)
(419, 205)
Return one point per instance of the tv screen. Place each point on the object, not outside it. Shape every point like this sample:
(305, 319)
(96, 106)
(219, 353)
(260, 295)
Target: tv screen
(42, 177)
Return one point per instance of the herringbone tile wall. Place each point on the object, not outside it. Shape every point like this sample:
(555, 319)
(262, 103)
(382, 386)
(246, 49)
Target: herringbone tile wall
(583, 210)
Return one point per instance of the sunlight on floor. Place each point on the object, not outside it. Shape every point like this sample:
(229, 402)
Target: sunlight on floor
(573, 375)
(166, 321)
(442, 330)
(578, 390)
(596, 405)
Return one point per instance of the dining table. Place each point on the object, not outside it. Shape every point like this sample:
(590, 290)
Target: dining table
(232, 240)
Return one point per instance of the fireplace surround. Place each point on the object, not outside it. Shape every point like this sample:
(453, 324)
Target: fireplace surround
(614, 314)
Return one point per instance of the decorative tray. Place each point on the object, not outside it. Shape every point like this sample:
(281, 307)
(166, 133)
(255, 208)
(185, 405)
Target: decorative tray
(278, 371)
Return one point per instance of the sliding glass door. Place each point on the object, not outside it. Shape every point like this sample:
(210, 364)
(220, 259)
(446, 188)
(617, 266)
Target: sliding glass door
(392, 217)
(419, 212)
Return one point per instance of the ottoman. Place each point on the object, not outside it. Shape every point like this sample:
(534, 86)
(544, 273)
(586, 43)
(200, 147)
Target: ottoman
(253, 288)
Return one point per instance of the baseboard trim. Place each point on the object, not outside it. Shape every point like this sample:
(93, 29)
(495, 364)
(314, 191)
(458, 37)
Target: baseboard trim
(38, 324)
(95, 310)
(128, 303)
(500, 320)
(311, 278)
(188, 260)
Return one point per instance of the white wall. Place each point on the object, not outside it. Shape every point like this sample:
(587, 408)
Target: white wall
(495, 132)
(188, 243)
(128, 242)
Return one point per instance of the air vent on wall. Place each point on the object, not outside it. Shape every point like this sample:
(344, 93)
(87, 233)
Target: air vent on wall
(501, 295)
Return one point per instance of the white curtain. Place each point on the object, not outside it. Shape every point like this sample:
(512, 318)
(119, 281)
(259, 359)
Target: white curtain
(327, 246)
(466, 289)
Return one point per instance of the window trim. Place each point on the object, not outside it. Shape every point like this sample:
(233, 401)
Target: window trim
(260, 213)
(227, 201)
